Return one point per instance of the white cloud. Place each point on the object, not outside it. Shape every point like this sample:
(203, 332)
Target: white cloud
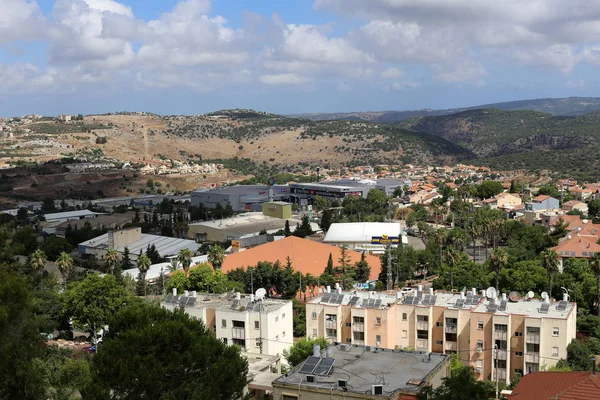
(558, 56)
(404, 85)
(21, 20)
(392, 72)
(283, 79)
(462, 72)
(575, 84)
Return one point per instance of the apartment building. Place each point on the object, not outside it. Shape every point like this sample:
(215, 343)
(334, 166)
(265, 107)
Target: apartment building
(528, 333)
(263, 326)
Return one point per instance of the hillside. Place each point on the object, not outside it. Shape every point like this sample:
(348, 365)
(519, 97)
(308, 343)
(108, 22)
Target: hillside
(559, 106)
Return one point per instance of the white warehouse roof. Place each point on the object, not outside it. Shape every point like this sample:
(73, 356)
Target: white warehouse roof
(154, 270)
(360, 232)
(166, 246)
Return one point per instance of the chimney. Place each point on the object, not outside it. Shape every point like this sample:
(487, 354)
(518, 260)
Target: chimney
(474, 291)
(337, 285)
(340, 290)
(194, 293)
(251, 298)
(420, 288)
(431, 291)
(504, 296)
(186, 293)
(483, 293)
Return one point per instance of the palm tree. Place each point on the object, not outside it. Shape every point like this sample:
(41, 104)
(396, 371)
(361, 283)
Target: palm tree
(111, 259)
(550, 263)
(64, 263)
(216, 254)
(185, 258)
(37, 260)
(174, 266)
(143, 265)
(452, 256)
(498, 261)
(596, 269)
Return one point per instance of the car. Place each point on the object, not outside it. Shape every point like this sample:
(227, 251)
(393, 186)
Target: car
(89, 349)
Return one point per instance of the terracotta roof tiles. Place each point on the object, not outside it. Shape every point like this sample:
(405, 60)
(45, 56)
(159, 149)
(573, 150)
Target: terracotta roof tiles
(557, 386)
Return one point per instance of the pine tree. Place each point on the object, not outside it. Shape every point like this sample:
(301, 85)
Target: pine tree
(286, 231)
(363, 269)
(125, 260)
(325, 220)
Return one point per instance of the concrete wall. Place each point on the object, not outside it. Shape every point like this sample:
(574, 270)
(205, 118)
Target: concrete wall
(123, 238)
(277, 210)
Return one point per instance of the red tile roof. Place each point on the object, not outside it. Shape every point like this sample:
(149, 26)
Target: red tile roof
(557, 386)
(307, 256)
(541, 197)
(576, 245)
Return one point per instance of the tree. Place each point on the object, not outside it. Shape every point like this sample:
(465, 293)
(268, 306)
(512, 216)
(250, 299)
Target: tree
(524, 276)
(37, 261)
(161, 354)
(594, 208)
(216, 255)
(498, 261)
(363, 269)
(320, 203)
(596, 269)
(180, 281)
(185, 258)
(126, 260)
(25, 241)
(548, 190)
(328, 276)
(54, 245)
(398, 192)
(489, 189)
(303, 349)
(550, 264)
(93, 301)
(304, 229)
(48, 206)
(64, 263)
(143, 265)
(326, 220)
(462, 385)
(579, 354)
(153, 254)
(286, 230)
(111, 260)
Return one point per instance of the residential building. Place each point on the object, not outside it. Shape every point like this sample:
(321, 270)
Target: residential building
(508, 200)
(136, 241)
(537, 206)
(306, 256)
(582, 193)
(547, 385)
(575, 205)
(576, 245)
(372, 237)
(529, 333)
(357, 372)
(64, 117)
(257, 325)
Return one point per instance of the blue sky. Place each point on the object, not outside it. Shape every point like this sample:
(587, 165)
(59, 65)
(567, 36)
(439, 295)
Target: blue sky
(283, 56)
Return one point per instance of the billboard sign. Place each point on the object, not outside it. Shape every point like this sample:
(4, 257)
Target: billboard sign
(384, 239)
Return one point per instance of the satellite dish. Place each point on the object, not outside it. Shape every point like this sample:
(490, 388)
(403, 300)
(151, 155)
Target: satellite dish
(490, 293)
(260, 294)
(530, 294)
(514, 296)
(544, 295)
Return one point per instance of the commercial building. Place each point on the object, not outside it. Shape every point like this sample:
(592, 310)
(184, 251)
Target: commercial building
(277, 209)
(112, 221)
(257, 325)
(52, 220)
(241, 197)
(339, 189)
(372, 237)
(136, 242)
(527, 333)
(357, 372)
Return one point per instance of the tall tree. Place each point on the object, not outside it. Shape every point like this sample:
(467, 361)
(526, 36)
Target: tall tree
(126, 260)
(325, 220)
(286, 230)
(498, 261)
(37, 261)
(161, 354)
(143, 265)
(363, 269)
(216, 255)
(596, 269)
(111, 260)
(302, 349)
(64, 263)
(185, 258)
(550, 263)
(462, 385)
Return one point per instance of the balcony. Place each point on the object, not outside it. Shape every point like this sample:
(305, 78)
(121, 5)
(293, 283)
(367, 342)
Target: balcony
(452, 346)
(501, 354)
(532, 338)
(330, 324)
(501, 372)
(451, 328)
(500, 335)
(422, 344)
(422, 325)
(238, 333)
(533, 358)
(358, 327)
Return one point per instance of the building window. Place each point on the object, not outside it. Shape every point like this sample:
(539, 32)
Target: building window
(439, 324)
(225, 340)
(518, 333)
(555, 331)
(519, 353)
(519, 371)
(223, 323)
(283, 316)
(348, 324)
(555, 351)
(404, 334)
(439, 342)
(288, 397)
(404, 317)
(479, 363)
(276, 319)
(479, 346)
(314, 332)
(480, 325)
(256, 325)
(314, 315)
(423, 318)
(378, 339)
(359, 336)
(332, 333)
(378, 321)
(348, 340)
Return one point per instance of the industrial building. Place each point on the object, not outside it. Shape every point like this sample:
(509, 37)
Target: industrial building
(52, 220)
(240, 197)
(112, 221)
(372, 237)
(155, 270)
(135, 241)
(496, 336)
(339, 189)
(363, 372)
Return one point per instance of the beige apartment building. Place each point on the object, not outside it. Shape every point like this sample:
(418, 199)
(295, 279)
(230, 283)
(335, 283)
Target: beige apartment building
(527, 334)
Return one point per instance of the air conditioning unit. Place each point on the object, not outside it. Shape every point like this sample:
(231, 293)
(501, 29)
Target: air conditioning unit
(342, 383)
(310, 378)
(376, 389)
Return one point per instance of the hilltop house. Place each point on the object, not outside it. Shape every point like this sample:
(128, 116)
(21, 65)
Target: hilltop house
(538, 205)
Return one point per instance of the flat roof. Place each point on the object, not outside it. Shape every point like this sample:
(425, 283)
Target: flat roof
(228, 302)
(360, 232)
(246, 223)
(164, 245)
(70, 214)
(329, 185)
(531, 308)
(396, 370)
(99, 220)
(359, 298)
(236, 189)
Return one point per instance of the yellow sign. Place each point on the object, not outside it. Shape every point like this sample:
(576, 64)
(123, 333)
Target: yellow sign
(235, 244)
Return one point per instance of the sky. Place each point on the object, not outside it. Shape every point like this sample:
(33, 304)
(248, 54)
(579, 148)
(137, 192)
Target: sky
(292, 56)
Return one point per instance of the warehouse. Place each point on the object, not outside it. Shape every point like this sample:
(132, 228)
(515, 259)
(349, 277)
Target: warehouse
(241, 197)
(366, 236)
(337, 190)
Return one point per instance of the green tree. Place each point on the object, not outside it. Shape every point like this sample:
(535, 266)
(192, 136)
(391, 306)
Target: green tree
(327, 278)
(498, 261)
(579, 354)
(326, 220)
(489, 189)
(320, 203)
(363, 269)
(462, 385)
(596, 269)
(185, 258)
(153, 254)
(524, 276)
(180, 281)
(216, 255)
(302, 349)
(64, 263)
(550, 262)
(594, 208)
(37, 261)
(143, 265)
(161, 354)
(111, 260)
(549, 190)
(25, 241)
(53, 246)
(126, 260)
(304, 229)
(91, 302)
(286, 230)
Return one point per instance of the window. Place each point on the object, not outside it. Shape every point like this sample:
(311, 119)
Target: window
(519, 353)
(422, 335)
(404, 317)
(348, 340)
(439, 324)
(423, 318)
(555, 331)
(480, 325)
(439, 342)
(359, 320)
(555, 351)
(283, 316)
(479, 346)
(404, 334)
(288, 397)
(378, 321)
(314, 315)
(314, 332)
(519, 371)
(479, 363)
(378, 339)
(225, 340)
(348, 324)
(360, 336)
(518, 333)
(276, 319)
(332, 333)
(283, 334)
(223, 323)
(256, 325)
(500, 328)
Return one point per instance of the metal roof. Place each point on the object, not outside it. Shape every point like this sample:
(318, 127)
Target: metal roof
(360, 232)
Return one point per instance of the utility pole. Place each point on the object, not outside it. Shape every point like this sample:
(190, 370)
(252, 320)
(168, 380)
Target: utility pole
(390, 277)
(251, 281)
(496, 367)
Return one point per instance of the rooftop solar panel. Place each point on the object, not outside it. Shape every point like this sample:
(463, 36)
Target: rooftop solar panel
(544, 308)
(562, 305)
(409, 300)
(324, 366)
(310, 364)
(459, 303)
(170, 298)
(191, 301)
(432, 300)
(354, 300)
(325, 298)
(377, 303)
(492, 307)
(235, 304)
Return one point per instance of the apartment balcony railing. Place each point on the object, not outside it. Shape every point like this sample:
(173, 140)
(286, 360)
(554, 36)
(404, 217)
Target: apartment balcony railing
(422, 325)
(532, 338)
(501, 372)
(533, 358)
(358, 327)
(330, 324)
(238, 333)
(422, 344)
(500, 335)
(501, 354)
(451, 328)
(450, 346)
